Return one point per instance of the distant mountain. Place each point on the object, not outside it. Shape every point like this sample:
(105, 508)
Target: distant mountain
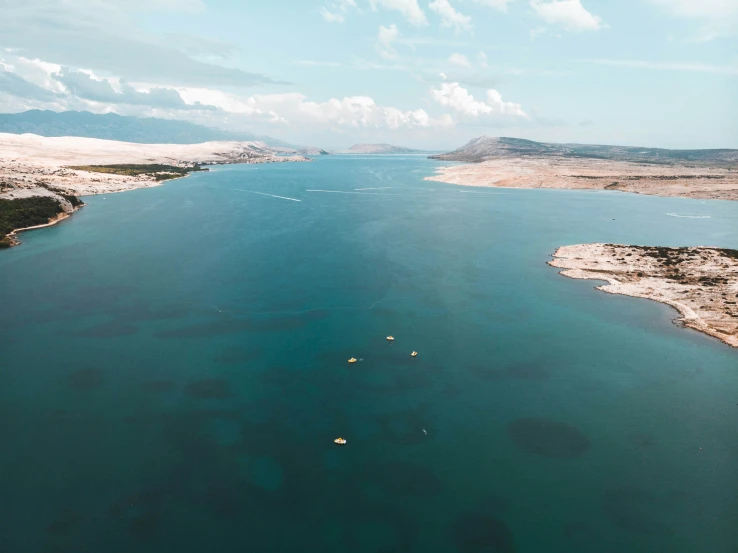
(485, 148)
(312, 151)
(111, 126)
(381, 149)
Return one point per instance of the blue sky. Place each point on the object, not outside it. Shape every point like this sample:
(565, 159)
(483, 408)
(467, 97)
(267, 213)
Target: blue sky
(422, 73)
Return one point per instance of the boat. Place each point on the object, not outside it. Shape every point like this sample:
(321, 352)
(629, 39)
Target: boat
(414, 354)
(352, 360)
(390, 338)
(339, 441)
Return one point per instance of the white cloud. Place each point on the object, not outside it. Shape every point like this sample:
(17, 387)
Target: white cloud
(86, 85)
(295, 110)
(408, 8)
(459, 59)
(668, 66)
(482, 58)
(496, 4)
(717, 17)
(569, 14)
(456, 97)
(46, 85)
(105, 35)
(385, 39)
(36, 71)
(331, 17)
(450, 17)
(702, 8)
(335, 12)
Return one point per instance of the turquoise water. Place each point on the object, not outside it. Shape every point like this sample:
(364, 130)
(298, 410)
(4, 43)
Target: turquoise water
(173, 373)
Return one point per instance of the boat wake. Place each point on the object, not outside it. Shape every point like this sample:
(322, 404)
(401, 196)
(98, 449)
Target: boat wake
(265, 194)
(688, 216)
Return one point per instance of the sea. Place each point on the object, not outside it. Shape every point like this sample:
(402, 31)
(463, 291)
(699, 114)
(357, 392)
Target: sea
(174, 371)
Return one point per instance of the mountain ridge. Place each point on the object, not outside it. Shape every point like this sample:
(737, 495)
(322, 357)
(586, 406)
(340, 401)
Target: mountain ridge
(382, 148)
(486, 148)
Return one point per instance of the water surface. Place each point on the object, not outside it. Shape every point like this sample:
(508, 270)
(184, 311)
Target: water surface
(173, 372)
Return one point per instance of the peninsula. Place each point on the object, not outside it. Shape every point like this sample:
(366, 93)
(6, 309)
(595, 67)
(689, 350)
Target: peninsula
(380, 149)
(515, 163)
(699, 282)
(41, 178)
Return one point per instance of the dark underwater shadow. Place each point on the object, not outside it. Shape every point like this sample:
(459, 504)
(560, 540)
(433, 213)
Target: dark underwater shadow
(224, 325)
(407, 427)
(482, 533)
(111, 329)
(404, 478)
(86, 379)
(530, 371)
(209, 388)
(159, 386)
(237, 356)
(548, 438)
(647, 513)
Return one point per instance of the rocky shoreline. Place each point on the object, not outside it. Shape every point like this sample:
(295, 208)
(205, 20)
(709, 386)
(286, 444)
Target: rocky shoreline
(65, 168)
(699, 182)
(699, 282)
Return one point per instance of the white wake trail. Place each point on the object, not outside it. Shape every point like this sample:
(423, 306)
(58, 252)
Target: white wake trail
(357, 193)
(265, 194)
(688, 216)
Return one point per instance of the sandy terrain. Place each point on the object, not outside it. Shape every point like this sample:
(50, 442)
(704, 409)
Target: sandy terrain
(27, 160)
(596, 174)
(701, 283)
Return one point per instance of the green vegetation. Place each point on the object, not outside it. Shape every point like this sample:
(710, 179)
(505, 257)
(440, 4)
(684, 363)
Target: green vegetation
(74, 200)
(731, 254)
(158, 171)
(25, 212)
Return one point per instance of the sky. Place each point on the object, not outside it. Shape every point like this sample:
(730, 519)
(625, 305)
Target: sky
(418, 73)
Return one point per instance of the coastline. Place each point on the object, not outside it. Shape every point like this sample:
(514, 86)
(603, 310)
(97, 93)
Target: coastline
(63, 216)
(34, 166)
(701, 283)
(707, 183)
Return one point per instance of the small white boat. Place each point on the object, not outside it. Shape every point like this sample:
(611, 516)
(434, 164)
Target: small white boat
(339, 441)
(352, 360)
(414, 354)
(390, 338)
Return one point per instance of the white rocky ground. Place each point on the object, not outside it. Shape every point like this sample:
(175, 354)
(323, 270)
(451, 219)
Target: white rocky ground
(701, 283)
(28, 160)
(596, 174)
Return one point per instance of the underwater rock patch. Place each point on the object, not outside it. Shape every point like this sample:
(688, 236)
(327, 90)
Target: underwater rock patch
(159, 385)
(406, 479)
(111, 329)
(481, 533)
(86, 379)
(144, 528)
(548, 438)
(209, 388)
(637, 511)
(517, 371)
(235, 356)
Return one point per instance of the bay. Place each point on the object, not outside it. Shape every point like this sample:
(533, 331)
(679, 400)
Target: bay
(173, 371)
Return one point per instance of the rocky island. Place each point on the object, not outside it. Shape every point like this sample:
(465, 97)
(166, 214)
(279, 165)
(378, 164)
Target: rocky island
(699, 282)
(515, 163)
(41, 178)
